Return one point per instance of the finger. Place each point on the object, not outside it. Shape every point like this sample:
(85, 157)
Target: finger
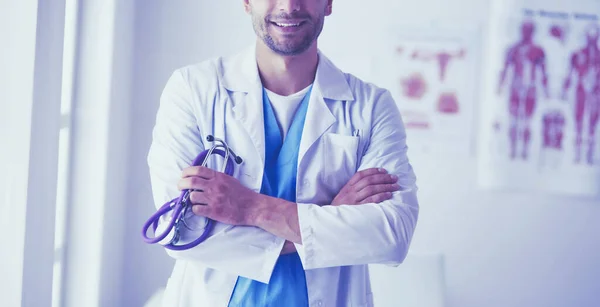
(202, 210)
(198, 171)
(364, 173)
(375, 180)
(376, 189)
(193, 183)
(199, 198)
(377, 198)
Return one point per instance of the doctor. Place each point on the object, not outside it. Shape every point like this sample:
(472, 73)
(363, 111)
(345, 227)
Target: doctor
(325, 188)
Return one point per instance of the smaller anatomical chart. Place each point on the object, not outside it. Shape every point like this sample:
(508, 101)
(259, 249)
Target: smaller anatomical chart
(432, 76)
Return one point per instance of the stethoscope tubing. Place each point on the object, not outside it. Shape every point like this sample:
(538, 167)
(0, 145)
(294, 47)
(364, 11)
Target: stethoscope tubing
(180, 205)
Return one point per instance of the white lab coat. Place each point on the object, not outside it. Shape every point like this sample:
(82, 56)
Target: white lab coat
(223, 97)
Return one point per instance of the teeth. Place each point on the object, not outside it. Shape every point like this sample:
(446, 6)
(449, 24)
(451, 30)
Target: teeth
(287, 24)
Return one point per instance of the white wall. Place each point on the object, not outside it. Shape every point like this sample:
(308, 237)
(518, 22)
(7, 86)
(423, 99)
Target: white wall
(500, 248)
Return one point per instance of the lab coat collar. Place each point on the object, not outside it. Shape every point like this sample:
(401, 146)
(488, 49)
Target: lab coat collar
(240, 73)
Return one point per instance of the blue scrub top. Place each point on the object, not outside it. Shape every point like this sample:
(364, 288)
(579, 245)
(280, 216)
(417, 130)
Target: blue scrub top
(287, 286)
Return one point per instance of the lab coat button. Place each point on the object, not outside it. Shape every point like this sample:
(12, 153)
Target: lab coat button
(319, 303)
(306, 182)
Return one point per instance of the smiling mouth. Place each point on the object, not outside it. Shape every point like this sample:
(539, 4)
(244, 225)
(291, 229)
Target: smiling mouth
(287, 24)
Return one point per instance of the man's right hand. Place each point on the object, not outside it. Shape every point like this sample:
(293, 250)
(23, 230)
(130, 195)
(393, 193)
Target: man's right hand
(372, 185)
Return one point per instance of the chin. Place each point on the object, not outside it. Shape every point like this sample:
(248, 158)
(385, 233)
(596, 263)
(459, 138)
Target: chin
(286, 52)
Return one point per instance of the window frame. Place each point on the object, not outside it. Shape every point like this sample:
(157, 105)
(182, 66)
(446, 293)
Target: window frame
(35, 30)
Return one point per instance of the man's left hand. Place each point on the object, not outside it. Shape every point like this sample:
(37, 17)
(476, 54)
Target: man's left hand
(218, 196)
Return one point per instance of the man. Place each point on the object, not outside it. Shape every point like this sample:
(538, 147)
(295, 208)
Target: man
(325, 187)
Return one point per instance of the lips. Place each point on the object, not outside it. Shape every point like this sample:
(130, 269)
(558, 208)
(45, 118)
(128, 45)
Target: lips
(288, 24)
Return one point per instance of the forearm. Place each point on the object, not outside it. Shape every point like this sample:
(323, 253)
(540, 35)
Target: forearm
(277, 216)
(326, 236)
(239, 250)
(357, 235)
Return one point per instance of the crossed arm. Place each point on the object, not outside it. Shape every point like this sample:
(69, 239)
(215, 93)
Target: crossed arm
(225, 200)
(253, 228)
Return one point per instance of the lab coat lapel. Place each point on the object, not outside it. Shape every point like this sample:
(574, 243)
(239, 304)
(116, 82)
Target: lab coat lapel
(330, 84)
(249, 112)
(318, 120)
(240, 76)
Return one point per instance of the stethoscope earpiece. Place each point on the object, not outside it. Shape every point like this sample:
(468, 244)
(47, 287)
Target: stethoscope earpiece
(224, 145)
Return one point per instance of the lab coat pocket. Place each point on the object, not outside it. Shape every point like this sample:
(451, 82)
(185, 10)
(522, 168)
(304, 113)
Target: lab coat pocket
(340, 157)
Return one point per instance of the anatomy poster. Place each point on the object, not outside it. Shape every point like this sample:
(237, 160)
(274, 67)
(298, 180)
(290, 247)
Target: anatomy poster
(432, 76)
(540, 113)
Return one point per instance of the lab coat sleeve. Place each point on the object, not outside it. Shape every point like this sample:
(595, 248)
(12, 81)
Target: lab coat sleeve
(176, 141)
(373, 233)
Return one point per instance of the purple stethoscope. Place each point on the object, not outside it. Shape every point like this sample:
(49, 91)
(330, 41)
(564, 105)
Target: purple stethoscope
(181, 205)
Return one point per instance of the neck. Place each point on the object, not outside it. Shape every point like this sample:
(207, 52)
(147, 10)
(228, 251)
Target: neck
(286, 75)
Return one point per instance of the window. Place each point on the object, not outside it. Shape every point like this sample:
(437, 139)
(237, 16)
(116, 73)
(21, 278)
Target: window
(64, 149)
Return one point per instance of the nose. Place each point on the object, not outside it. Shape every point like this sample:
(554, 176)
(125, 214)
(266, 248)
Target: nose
(289, 6)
